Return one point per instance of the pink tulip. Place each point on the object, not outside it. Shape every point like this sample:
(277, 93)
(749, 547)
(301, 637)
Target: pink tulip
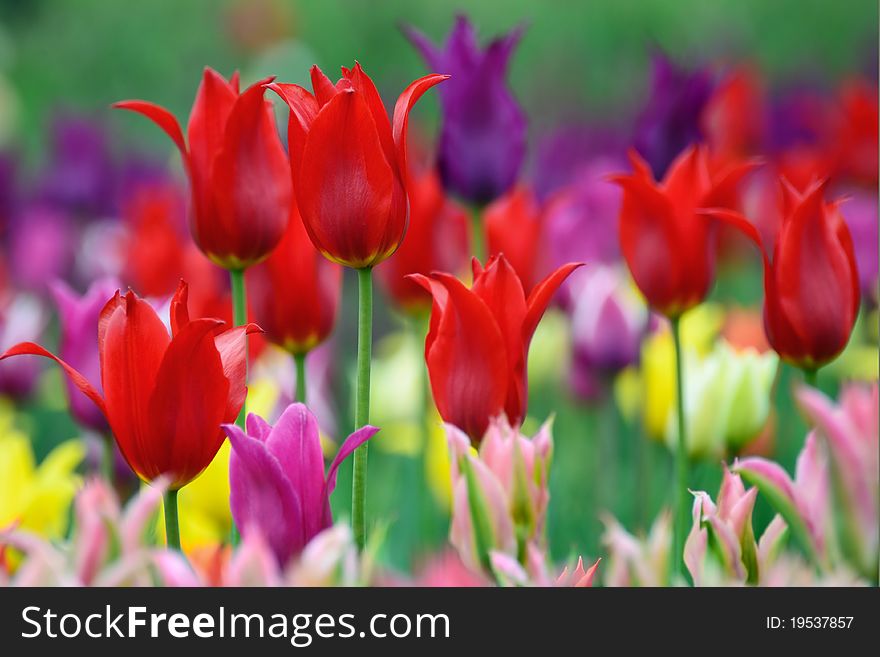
(277, 481)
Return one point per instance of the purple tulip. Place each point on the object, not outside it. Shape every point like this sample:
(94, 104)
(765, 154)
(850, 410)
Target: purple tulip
(78, 344)
(581, 223)
(608, 322)
(483, 136)
(41, 247)
(276, 478)
(80, 174)
(671, 119)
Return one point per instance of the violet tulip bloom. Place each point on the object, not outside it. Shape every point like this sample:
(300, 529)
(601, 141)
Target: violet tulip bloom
(78, 347)
(483, 135)
(80, 175)
(608, 322)
(670, 121)
(277, 482)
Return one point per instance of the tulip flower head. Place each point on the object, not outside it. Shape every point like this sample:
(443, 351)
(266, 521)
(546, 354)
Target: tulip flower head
(483, 135)
(671, 120)
(348, 163)
(478, 342)
(811, 283)
(500, 494)
(608, 322)
(298, 321)
(277, 482)
(238, 171)
(735, 555)
(165, 396)
(668, 246)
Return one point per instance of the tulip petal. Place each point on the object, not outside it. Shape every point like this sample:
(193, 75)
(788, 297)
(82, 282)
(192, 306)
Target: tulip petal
(350, 444)
(501, 290)
(540, 298)
(295, 442)
(362, 83)
(404, 104)
(207, 120)
(232, 347)
(303, 110)
(257, 427)
(775, 484)
(250, 178)
(187, 405)
(162, 118)
(261, 498)
(132, 341)
(29, 348)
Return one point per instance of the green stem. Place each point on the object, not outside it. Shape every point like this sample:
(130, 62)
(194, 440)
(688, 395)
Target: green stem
(681, 463)
(300, 360)
(811, 377)
(172, 528)
(478, 234)
(239, 318)
(362, 404)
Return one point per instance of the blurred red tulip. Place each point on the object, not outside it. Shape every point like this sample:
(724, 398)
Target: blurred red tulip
(158, 253)
(669, 248)
(436, 240)
(165, 397)
(294, 293)
(237, 168)
(811, 285)
(349, 164)
(513, 227)
(478, 342)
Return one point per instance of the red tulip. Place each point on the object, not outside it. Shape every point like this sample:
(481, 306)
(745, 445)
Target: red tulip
(237, 168)
(436, 240)
(158, 254)
(811, 284)
(294, 294)
(669, 248)
(513, 227)
(478, 342)
(165, 397)
(348, 163)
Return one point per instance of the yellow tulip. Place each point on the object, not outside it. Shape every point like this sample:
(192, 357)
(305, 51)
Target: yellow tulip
(36, 497)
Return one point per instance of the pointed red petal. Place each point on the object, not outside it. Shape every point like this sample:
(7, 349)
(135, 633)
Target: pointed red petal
(29, 348)
(186, 406)
(162, 118)
(404, 104)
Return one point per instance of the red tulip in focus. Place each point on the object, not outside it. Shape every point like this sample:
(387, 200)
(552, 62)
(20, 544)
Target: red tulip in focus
(238, 171)
(436, 240)
(348, 163)
(165, 397)
(478, 342)
(669, 248)
(513, 227)
(294, 293)
(811, 285)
